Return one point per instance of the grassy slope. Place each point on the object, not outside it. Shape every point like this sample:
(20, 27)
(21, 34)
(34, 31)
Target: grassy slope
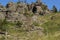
(51, 29)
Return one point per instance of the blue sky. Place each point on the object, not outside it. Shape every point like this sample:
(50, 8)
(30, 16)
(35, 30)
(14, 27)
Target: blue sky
(49, 3)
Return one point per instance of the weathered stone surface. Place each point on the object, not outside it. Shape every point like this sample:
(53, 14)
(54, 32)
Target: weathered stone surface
(15, 16)
(16, 11)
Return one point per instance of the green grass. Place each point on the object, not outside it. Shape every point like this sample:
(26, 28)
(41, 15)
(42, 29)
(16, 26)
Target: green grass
(51, 29)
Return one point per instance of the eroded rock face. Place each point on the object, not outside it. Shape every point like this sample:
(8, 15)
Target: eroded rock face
(15, 16)
(14, 11)
(11, 16)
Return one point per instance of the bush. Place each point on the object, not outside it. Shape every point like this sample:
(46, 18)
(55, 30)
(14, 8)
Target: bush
(19, 24)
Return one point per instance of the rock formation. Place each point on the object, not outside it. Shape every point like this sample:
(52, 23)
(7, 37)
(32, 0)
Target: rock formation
(12, 10)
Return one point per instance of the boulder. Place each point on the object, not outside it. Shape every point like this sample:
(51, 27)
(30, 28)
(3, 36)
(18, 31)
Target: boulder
(11, 7)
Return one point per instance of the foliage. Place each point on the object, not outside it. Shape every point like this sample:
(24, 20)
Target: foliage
(54, 9)
(19, 24)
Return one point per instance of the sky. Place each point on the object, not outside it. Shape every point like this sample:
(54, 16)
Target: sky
(49, 3)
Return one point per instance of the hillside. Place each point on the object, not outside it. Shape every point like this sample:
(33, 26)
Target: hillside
(46, 29)
(20, 21)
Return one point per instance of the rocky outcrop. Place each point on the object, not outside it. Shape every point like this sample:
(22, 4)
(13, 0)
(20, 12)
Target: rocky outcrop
(16, 11)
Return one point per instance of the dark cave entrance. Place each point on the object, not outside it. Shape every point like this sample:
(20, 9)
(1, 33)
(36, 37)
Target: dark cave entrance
(34, 10)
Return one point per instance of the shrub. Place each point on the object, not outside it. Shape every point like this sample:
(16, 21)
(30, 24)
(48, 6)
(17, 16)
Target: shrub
(19, 24)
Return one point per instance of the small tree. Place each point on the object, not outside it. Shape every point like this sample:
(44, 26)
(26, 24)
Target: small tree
(54, 9)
